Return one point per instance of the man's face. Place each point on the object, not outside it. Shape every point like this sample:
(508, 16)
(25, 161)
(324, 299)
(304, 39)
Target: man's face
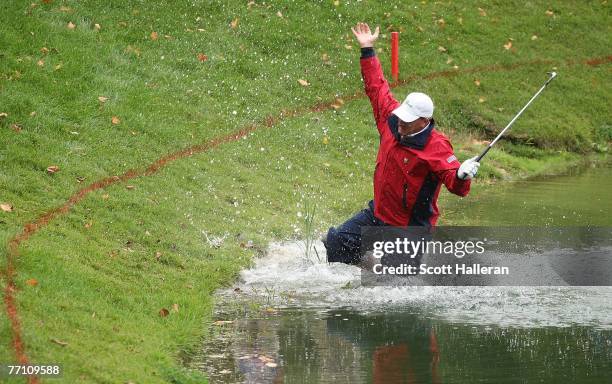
(412, 127)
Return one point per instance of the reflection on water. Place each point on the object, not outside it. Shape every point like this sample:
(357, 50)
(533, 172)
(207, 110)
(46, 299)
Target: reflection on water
(296, 320)
(347, 346)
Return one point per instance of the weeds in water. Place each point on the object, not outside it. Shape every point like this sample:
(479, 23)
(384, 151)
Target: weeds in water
(309, 231)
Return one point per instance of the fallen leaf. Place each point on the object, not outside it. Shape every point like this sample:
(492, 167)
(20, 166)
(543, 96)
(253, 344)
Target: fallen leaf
(303, 83)
(279, 14)
(44, 50)
(115, 120)
(32, 282)
(441, 23)
(40, 63)
(348, 46)
(482, 12)
(16, 127)
(88, 225)
(450, 60)
(65, 9)
(58, 66)
(33, 113)
(105, 196)
(62, 343)
(102, 99)
(3, 114)
(508, 45)
(71, 25)
(234, 23)
(481, 100)
(6, 207)
(477, 82)
(336, 3)
(175, 307)
(164, 312)
(129, 187)
(154, 36)
(549, 12)
(80, 179)
(223, 322)
(325, 140)
(52, 169)
(419, 28)
(460, 20)
(534, 37)
(441, 49)
(202, 57)
(97, 27)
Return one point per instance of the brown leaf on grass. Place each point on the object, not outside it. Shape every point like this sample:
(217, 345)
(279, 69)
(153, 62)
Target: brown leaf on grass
(175, 308)
(6, 207)
(534, 37)
(44, 50)
(549, 12)
(441, 23)
(97, 27)
(129, 187)
(105, 196)
(52, 169)
(40, 63)
(102, 99)
(508, 45)
(234, 23)
(31, 282)
(164, 312)
(279, 14)
(441, 49)
(154, 36)
(65, 9)
(3, 114)
(477, 82)
(303, 82)
(115, 120)
(16, 127)
(88, 225)
(482, 12)
(202, 57)
(481, 100)
(419, 28)
(80, 179)
(59, 342)
(71, 25)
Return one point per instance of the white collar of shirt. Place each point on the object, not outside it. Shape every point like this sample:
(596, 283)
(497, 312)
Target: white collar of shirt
(421, 131)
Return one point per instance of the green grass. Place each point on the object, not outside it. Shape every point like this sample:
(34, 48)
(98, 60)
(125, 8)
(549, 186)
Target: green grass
(101, 280)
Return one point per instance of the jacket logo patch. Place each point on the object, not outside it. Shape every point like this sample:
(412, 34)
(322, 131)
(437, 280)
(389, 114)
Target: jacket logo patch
(451, 159)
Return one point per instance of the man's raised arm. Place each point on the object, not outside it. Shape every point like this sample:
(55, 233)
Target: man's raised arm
(376, 86)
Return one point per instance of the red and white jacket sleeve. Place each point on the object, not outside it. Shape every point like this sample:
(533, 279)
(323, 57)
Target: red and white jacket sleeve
(444, 164)
(377, 87)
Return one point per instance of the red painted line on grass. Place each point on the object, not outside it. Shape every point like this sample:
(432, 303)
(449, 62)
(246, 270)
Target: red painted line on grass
(32, 227)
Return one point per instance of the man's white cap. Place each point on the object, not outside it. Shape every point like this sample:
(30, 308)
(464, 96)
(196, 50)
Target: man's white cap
(416, 105)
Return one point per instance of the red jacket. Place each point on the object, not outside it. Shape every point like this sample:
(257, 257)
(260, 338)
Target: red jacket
(409, 171)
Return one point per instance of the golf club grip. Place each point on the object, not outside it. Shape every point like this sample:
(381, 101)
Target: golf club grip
(483, 153)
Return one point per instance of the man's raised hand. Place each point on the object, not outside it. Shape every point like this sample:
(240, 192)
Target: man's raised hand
(364, 36)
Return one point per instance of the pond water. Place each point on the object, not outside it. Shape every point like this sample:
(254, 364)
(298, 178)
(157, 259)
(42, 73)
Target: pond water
(293, 318)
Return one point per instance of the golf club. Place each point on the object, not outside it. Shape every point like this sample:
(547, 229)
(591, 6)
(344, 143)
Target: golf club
(552, 76)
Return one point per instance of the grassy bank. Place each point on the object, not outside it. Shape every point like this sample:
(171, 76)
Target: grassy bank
(97, 89)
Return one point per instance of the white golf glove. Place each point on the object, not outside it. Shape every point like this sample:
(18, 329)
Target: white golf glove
(468, 169)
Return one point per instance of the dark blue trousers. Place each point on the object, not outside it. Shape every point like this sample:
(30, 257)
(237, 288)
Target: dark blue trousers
(344, 242)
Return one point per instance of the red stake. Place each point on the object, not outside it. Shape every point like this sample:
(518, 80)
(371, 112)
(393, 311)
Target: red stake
(395, 55)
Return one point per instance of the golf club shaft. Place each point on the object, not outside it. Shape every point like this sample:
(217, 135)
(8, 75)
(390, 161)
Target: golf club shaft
(552, 76)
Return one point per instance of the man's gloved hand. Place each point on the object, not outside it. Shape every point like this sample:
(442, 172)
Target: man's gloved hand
(468, 169)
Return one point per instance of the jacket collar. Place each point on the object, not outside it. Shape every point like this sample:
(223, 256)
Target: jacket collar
(417, 141)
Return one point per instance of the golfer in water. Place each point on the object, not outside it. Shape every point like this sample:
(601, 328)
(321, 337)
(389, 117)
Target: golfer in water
(413, 161)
